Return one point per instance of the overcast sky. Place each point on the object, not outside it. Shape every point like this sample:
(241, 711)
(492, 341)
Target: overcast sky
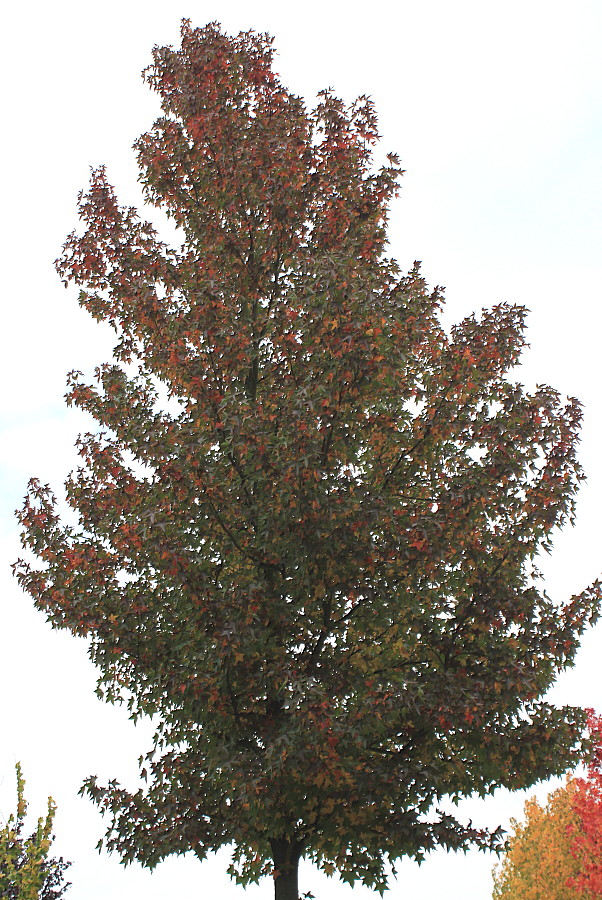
(495, 110)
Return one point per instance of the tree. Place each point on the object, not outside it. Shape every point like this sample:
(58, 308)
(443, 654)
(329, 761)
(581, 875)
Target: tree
(586, 831)
(26, 872)
(538, 864)
(555, 854)
(306, 530)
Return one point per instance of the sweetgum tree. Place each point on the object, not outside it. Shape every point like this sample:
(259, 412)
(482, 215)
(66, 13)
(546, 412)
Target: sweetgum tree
(316, 564)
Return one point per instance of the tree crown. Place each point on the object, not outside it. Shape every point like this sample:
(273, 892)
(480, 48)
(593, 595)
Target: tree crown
(319, 566)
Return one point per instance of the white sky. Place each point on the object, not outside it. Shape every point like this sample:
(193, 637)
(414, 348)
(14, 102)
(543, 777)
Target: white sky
(495, 110)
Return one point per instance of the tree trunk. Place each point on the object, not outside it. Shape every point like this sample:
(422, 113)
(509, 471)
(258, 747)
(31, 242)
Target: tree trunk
(286, 855)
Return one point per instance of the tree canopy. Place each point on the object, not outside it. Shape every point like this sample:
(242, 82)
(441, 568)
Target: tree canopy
(538, 861)
(306, 524)
(586, 831)
(26, 871)
(555, 854)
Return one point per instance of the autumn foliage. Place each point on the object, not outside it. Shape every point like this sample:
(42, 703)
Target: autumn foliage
(307, 518)
(27, 872)
(586, 832)
(538, 862)
(556, 853)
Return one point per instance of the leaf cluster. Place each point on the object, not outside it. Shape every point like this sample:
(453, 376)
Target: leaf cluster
(538, 861)
(26, 871)
(586, 831)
